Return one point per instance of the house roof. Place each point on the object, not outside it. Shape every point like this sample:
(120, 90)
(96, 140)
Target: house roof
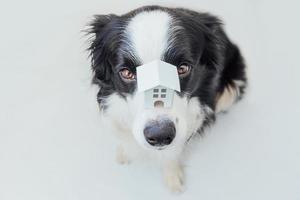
(157, 73)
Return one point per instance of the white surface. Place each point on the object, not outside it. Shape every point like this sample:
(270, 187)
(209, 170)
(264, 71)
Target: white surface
(52, 145)
(157, 73)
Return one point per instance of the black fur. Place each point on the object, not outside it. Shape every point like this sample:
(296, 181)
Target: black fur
(202, 44)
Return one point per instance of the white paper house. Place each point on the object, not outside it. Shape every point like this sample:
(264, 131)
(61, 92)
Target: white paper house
(158, 80)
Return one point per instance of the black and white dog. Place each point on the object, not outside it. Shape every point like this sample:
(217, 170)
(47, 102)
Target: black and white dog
(210, 67)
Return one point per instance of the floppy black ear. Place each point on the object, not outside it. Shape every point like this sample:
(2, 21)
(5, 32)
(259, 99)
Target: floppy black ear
(225, 56)
(215, 39)
(229, 58)
(100, 51)
(206, 34)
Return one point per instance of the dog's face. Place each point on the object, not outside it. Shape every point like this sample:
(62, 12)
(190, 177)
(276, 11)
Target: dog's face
(188, 40)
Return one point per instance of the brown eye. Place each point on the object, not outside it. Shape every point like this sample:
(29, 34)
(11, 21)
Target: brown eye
(183, 69)
(127, 74)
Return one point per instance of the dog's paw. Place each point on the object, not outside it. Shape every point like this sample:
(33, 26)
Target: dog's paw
(175, 181)
(174, 178)
(121, 156)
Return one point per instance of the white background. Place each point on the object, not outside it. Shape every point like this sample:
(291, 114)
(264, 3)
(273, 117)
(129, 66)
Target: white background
(53, 146)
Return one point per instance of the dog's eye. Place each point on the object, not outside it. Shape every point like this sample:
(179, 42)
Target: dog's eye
(127, 74)
(183, 69)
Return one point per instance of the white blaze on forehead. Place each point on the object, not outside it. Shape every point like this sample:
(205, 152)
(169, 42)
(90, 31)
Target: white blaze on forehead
(148, 34)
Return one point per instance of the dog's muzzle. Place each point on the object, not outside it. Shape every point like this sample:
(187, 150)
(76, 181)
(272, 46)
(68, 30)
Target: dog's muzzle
(160, 132)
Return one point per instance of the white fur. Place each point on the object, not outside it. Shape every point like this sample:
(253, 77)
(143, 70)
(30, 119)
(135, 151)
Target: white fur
(148, 34)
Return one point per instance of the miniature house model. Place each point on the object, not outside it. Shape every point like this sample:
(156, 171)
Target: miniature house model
(158, 80)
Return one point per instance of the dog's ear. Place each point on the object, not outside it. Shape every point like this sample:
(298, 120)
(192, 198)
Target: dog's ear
(102, 30)
(207, 35)
(214, 39)
(220, 54)
(233, 66)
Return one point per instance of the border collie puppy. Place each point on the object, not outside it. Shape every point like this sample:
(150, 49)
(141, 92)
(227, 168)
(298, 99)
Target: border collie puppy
(210, 68)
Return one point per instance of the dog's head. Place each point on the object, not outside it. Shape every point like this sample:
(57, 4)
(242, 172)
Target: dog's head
(191, 41)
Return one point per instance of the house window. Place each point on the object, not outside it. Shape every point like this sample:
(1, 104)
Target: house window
(159, 93)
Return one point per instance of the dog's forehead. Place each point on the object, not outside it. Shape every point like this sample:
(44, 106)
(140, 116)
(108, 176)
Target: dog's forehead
(148, 34)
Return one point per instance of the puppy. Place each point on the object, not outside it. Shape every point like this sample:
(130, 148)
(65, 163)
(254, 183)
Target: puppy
(210, 68)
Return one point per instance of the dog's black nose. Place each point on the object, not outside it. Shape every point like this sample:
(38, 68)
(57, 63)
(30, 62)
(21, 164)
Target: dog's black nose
(160, 133)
